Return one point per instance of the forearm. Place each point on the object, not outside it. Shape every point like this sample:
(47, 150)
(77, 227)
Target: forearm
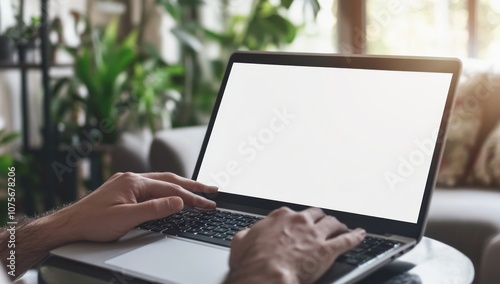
(28, 243)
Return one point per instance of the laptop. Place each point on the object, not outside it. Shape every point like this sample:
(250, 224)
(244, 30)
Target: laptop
(359, 136)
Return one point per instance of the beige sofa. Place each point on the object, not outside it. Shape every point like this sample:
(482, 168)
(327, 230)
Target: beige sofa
(465, 208)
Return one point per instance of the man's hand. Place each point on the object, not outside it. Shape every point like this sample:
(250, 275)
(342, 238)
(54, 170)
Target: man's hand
(120, 204)
(289, 247)
(128, 199)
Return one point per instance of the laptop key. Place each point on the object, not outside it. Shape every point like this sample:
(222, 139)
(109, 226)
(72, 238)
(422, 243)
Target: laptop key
(171, 231)
(213, 226)
(220, 230)
(370, 248)
(206, 233)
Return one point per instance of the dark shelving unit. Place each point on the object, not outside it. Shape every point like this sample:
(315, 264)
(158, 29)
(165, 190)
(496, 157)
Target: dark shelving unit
(49, 147)
(35, 66)
(48, 152)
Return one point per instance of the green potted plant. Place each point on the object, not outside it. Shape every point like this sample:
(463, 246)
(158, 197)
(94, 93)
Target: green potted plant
(22, 165)
(101, 64)
(267, 25)
(6, 163)
(6, 45)
(123, 86)
(116, 87)
(24, 35)
(154, 92)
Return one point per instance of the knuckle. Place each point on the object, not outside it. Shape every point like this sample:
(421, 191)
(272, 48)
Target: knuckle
(198, 201)
(343, 226)
(117, 174)
(349, 240)
(156, 207)
(170, 175)
(300, 218)
(176, 187)
(316, 210)
(281, 211)
(332, 220)
(128, 175)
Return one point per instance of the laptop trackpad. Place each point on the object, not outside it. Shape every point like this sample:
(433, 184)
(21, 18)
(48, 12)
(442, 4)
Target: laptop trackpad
(175, 260)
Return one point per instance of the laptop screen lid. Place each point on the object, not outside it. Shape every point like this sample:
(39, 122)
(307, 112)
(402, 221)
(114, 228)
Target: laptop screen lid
(360, 137)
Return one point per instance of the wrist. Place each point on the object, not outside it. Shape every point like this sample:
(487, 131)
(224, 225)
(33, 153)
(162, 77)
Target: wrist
(53, 228)
(34, 239)
(58, 228)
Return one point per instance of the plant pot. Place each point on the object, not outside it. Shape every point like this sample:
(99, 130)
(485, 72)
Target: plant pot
(6, 49)
(30, 51)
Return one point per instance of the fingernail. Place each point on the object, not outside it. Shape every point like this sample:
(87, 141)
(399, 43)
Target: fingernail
(211, 206)
(361, 231)
(177, 204)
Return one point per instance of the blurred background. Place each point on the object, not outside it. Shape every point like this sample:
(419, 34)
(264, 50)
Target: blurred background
(93, 87)
(83, 81)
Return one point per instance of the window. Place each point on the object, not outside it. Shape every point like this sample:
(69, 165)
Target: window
(460, 28)
(316, 35)
(488, 29)
(417, 27)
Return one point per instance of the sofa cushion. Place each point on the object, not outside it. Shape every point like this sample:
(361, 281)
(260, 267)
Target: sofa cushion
(487, 165)
(130, 154)
(463, 129)
(176, 150)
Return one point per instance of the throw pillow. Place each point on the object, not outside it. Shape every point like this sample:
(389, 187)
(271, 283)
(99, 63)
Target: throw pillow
(486, 169)
(463, 129)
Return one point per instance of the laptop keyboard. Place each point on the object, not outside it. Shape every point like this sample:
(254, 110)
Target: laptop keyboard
(219, 227)
(370, 248)
(214, 226)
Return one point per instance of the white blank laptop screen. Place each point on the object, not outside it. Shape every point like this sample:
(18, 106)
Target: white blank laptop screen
(351, 140)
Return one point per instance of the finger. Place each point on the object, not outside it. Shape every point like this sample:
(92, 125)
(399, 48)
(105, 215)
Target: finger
(240, 235)
(280, 212)
(151, 209)
(115, 176)
(157, 189)
(238, 248)
(345, 242)
(188, 184)
(314, 214)
(329, 226)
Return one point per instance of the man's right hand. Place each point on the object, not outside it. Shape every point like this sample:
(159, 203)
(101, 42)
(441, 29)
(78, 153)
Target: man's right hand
(289, 247)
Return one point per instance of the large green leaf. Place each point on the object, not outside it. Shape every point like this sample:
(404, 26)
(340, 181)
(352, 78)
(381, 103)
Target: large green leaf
(285, 31)
(286, 3)
(111, 32)
(5, 162)
(314, 4)
(9, 138)
(172, 8)
(187, 39)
